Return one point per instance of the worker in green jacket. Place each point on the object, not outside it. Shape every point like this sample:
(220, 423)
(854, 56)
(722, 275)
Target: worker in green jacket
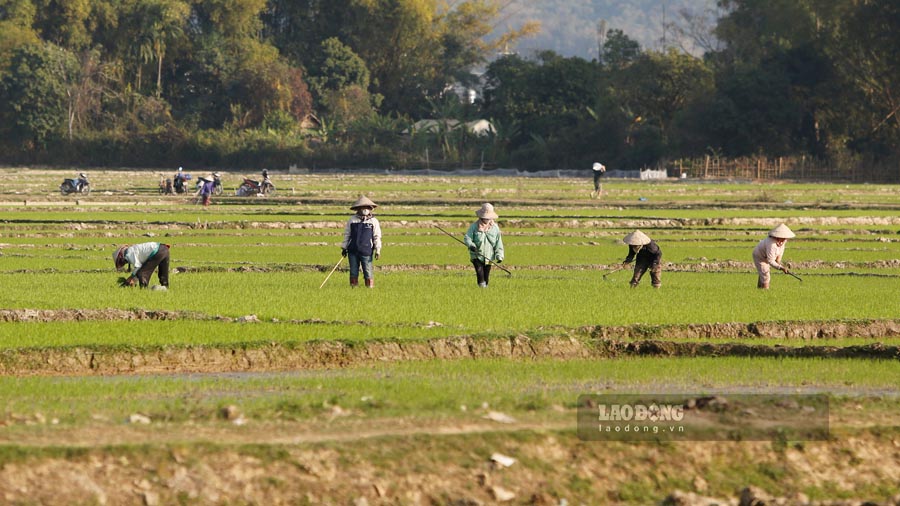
(485, 243)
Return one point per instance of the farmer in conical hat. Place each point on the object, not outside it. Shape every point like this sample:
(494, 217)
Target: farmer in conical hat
(598, 169)
(646, 255)
(143, 259)
(205, 187)
(768, 254)
(362, 241)
(485, 243)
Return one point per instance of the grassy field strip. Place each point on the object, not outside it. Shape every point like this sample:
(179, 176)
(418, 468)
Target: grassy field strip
(457, 390)
(532, 298)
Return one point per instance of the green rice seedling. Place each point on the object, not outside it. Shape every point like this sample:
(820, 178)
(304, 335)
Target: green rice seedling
(454, 389)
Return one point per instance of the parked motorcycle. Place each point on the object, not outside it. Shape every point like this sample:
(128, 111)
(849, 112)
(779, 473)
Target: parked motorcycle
(217, 184)
(75, 185)
(179, 180)
(253, 187)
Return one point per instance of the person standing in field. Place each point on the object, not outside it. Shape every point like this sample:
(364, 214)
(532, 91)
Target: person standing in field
(143, 259)
(646, 255)
(768, 254)
(485, 243)
(598, 169)
(362, 241)
(206, 189)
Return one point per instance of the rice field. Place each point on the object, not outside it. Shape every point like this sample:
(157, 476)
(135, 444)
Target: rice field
(426, 349)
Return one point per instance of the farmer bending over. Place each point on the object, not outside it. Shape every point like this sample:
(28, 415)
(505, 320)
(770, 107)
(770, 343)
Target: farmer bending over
(362, 241)
(485, 244)
(143, 259)
(646, 255)
(769, 252)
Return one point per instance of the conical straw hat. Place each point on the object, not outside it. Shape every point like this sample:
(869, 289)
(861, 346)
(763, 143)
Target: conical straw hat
(782, 232)
(119, 256)
(486, 211)
(636, 238)
(363, 201)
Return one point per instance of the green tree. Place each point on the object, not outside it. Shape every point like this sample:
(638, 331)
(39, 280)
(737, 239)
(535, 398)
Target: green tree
(865, 53)
(337, 67)
(413, 49)
(566, 114)
(231, 18)
(36, 94)
(658, 85)
(157, 23)
(619, 51)
(64, 23)
(16, 19)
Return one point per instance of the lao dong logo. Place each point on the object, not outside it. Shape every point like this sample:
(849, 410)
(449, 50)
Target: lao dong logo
(640, 412)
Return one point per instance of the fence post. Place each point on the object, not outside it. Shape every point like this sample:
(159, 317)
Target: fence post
(758, 167)
(706, 168)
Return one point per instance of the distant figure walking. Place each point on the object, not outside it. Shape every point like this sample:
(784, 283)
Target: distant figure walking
(646, 255)
(768, 254)
(598, 169)
(485, 243)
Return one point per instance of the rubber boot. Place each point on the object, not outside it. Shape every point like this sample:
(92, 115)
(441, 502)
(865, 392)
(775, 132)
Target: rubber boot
(370, 283)
(354, 282)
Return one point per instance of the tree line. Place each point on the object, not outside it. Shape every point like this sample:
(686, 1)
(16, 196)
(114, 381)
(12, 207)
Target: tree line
(274, 83)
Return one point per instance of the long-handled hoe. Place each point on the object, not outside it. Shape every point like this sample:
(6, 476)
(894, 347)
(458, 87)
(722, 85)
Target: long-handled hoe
(486, 259)
(612, 271)
(332, 271)
(789, 273)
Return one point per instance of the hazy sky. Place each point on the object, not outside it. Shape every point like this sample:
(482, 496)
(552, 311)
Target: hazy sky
(570, 27)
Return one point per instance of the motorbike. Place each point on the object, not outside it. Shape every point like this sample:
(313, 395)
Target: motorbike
(253, 187)
(179, 182)
(75, 185)
(217, 185)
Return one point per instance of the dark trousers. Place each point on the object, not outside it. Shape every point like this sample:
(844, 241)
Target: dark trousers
(482, 271)
(597, 176)
(655, 273)
(161, 260)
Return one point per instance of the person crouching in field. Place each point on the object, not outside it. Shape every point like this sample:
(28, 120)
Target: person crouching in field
(768, 254)
(362, 241)
(646, 255)
(485, 243)
(143, 259)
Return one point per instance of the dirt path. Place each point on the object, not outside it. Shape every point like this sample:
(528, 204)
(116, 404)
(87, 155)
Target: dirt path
(432, 464)
(346, 427)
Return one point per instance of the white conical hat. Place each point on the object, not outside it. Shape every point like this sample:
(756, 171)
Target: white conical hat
(119, 256)
(363, 201)
(782, 232)
(636, 238)
(486, 211)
